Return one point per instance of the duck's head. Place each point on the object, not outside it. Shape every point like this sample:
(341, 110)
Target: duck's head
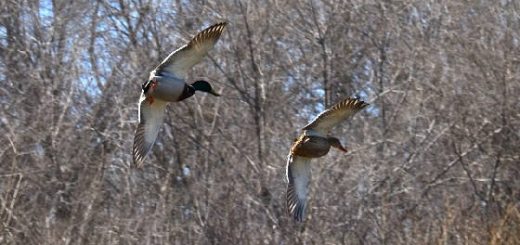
(204, 86)
(334, 142)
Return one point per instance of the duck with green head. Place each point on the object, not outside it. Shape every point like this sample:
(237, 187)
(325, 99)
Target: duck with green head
(167, 83)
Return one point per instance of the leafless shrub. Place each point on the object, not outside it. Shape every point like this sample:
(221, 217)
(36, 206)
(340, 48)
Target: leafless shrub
(434, 159)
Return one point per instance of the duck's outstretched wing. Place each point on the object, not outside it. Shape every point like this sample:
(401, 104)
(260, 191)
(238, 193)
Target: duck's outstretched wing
(151, 116)
(181, 60)
(299, 177)
(339, 112)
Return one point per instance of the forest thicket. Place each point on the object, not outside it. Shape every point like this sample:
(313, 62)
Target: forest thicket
(435, 159)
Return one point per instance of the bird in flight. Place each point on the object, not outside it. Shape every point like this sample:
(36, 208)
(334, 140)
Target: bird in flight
(314, 142)
(167, 83)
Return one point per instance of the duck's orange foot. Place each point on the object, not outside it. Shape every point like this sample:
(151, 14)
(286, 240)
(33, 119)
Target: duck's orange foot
(150, 100)
(154, 84)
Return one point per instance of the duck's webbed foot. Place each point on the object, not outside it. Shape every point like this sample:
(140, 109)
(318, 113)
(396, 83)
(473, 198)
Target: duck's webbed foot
(150, 100)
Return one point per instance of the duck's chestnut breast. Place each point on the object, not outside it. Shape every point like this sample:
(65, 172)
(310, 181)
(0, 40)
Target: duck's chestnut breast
(311, 146)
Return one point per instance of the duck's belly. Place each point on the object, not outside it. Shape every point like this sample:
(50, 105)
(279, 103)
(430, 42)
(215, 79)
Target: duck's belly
(169, 90)
(311, 146)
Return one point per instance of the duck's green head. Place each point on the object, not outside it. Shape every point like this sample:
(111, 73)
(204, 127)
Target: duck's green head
(204, 86)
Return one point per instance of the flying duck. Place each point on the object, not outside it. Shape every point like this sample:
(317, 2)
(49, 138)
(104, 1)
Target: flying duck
(167, 83)
(314, 142)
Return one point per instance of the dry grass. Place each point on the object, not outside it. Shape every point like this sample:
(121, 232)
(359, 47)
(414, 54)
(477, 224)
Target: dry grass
(507, 229)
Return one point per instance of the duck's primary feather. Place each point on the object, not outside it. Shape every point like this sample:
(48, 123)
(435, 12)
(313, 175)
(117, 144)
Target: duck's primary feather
(181, 60)
(339, 112)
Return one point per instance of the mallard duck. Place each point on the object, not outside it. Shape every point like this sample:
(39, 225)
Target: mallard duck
(314, 142)
(167, 83)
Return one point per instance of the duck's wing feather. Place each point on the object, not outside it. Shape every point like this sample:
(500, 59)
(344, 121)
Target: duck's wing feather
(151, 116)
(299, 177)
(339, 112)
(181, 60)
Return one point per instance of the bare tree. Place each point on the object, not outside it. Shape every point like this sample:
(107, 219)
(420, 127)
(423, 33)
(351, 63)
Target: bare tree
(434, 159)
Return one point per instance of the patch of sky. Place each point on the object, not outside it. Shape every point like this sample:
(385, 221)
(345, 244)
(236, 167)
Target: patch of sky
(311, 110)
(89, 85)
(87, 79)
(3, 36)
(421, 16)
(288, 83)
(366, 92)
(373, 110)
(46, 12)
(2, 73)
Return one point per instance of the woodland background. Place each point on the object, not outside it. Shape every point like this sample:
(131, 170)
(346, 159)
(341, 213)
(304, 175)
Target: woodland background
(435, 159)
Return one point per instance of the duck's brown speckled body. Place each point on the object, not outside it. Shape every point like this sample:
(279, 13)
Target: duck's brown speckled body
(314, 142)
